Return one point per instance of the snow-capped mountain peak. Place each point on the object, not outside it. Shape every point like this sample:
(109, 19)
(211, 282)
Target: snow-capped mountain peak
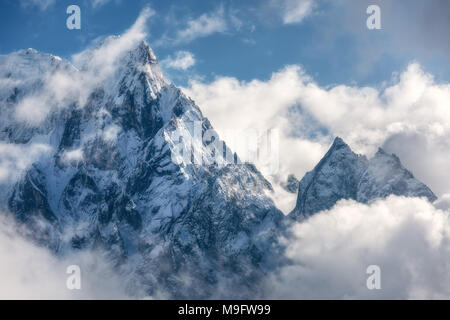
(112, 182)
(134, 170)
(342, 174)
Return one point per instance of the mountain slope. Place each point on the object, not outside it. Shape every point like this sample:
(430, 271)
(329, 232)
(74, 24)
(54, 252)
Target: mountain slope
(129, 168)
(183, 226)
(342, 174)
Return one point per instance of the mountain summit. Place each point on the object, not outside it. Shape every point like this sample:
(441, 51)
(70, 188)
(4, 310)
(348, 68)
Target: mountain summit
(343, 174)
(132, 170)
(114, 181)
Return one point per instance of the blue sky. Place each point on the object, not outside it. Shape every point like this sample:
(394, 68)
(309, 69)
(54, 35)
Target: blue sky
(250, 39)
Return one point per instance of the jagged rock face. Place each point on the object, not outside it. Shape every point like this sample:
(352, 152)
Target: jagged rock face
(291, 184)
(113, 182)
(23, 74)
(385, 175)
(335, 177)
(342, 174)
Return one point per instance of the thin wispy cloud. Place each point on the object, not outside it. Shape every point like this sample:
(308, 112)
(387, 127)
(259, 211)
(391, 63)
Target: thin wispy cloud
(100, 3)
(66, 85)
(41, 4)
(45, 4)
(182, 60)
(202, 26)
(294, 11)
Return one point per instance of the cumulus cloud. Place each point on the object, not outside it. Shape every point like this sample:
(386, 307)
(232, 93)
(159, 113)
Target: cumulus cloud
(233, 105)
(237, 109)
(413, 106)
(182, 60)
(330, 252)
(409, 115)
(31, 272)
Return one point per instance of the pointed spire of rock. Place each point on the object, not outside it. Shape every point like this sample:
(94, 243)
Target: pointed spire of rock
(342, 174)
(338, 142)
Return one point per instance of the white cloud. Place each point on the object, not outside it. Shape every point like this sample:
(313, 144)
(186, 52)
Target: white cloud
(65, 86)
(407, 238)
(100, 3)
(111, 132)
(182, 60)
(410, 117)
(257, 105)
(16, 158)
(73, 156)
(294, 11)
(103, 61)
(203, 26)
(31, 272)
(235, 108)
(42, 4)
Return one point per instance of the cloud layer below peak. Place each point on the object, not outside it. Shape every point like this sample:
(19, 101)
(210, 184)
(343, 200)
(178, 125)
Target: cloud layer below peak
(409, 115)
(407, 238)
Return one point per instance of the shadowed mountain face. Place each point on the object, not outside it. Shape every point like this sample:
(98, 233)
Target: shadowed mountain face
(112, 179)
(291, 185)
(342, 174)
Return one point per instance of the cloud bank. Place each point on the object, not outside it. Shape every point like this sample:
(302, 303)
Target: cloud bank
(407, 238)
(409, 115)
(31, 272)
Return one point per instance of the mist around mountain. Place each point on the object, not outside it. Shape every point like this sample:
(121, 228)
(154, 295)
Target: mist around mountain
(343, 174)
(111, 167)
(126, 174)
